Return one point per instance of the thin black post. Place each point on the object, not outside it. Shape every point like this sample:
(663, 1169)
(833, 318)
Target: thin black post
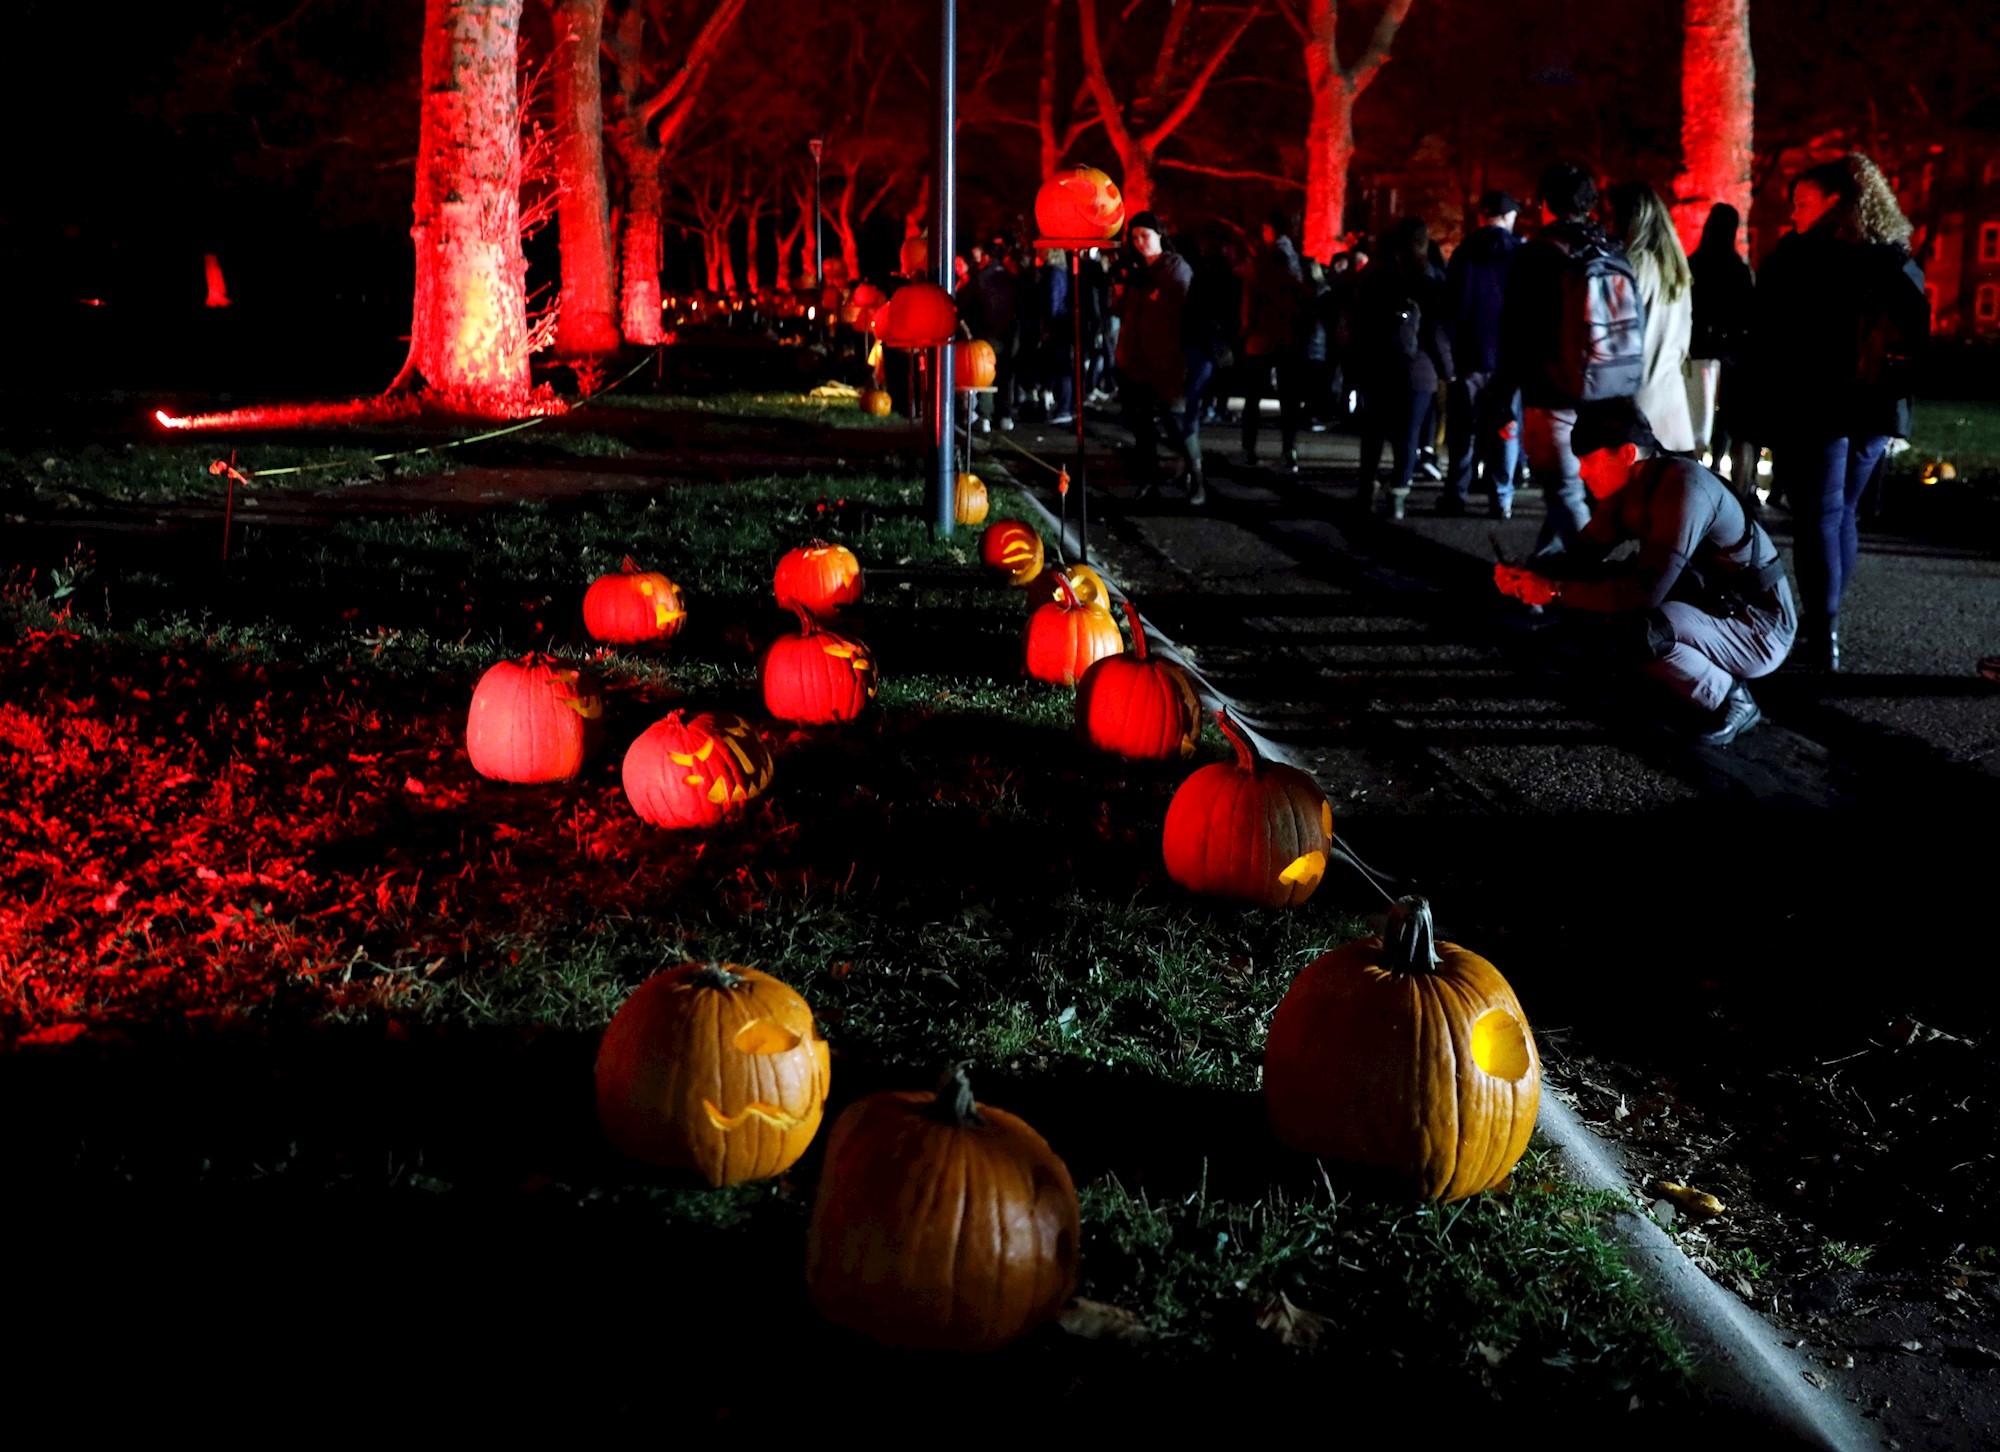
(944, 247)
(1076, 327)
(816, 145)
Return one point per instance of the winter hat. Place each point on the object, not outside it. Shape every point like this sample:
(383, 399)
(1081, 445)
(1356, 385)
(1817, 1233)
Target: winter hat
(1149, 220)
(1608, 423)
(1498, 204)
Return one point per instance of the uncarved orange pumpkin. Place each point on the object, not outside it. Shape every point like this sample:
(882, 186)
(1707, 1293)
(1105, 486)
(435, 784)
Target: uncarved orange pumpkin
(817, 677)
(632, 607)
(973, 364)
(715, 1068)
(1079, 204)
(1066, 637)
(533, 720)
(1013, 549)
(819, 577)
(1409, 1054)
(969, 501)
(684, 773)
(941, 1222)
(876, 402)
(917, 315)
(1136, 707)
(1257, 831)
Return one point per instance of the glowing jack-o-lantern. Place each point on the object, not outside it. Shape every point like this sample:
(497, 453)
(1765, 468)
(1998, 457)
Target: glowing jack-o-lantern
(973, 365)
(1079, 204)
(685, 773)
(941, 1222)
(1939, 471)
(1257, 831)
(1136, 707)
(633, 606)
(1409, 1054)
(1013, 549)
(1087, 584)
(1066, 637)
(533, 720)
(714, 1068)
(816, 677)
(919, 315)
(969, 504)
(819, 577)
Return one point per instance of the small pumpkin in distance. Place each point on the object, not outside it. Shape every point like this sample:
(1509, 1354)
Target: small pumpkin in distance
(1066, 637)
(1013, 549)
(876, 402)
(1134, 706)
(974, 365)
(715, 1068)
(1409, 1054)
(1077, 204)
(817, 576)
(682, 773)
(533, 720)
(1253, 830)
(633, 606)
(940, 1222)
(816, 677)
(969, 503)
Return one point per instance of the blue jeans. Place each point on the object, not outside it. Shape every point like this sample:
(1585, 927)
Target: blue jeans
(1545, 435)
(1825, 482)
(1200, 373)
(1472, 419)
(1392, 413)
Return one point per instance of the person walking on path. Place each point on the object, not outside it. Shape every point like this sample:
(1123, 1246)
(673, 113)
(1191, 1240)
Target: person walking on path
(1724, 291)
(1398, 350)
(1571, 277)
(1152, 363)
(1055, 356)
(1840, 316)
(1641, 221)
(1207, 321)
(1475, 293)
(1276, 320)
(1704, 602)
(995, 317)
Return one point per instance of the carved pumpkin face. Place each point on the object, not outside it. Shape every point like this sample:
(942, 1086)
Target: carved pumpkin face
(714, 1068)
(941, 1223)
(1012, 549)
(632, 607)
(817, 677)
(973, 365)
(1139, 708)
(1066, 637)
(693, 773)
(1252, 830)
(969, 504)
(533, 720)
(746, 744)
(1408, 1054)
(1079, 204)
(819, 577)
(917, 315)
(1088, 585)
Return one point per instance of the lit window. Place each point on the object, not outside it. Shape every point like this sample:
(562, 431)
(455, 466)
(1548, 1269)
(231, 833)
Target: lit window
(1986, 306)
(1989, 242)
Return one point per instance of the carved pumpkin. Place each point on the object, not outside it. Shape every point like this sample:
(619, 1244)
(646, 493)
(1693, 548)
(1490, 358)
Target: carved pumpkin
(1409, 1054)
(914, 256)
(744, 742)
(969, 502)
(917, 315)
(1086, 582)
(714, 1068)
(876, 402)
(1013, 549)
(1139, 708)
(865, 299)
(1066, 637)
(819, 577)
(817, 677)
(1248, 829)
(690, 773)
(941, 1222)
(973, 365)
(632, 607)
(533, 720)
(1079, 204)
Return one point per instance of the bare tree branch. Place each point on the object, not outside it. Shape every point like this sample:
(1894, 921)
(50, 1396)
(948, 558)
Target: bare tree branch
(1191, 97)
(1234, 175)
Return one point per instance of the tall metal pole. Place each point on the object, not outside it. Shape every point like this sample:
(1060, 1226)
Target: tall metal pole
(944, 248)
(819, 242)
(1076, 327)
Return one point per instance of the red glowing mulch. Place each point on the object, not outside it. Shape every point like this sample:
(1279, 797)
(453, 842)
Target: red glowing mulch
(379, 409)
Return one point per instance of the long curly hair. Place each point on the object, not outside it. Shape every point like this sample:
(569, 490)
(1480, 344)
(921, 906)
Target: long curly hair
(1872, 213)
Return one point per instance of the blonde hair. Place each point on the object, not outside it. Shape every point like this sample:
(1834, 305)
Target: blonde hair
(1647, 228)
(1873, 214)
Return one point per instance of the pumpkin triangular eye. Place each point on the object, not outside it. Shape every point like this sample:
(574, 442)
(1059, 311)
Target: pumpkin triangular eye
(718, 791)
(707, 750)
(1306, 870)
(761, 1036)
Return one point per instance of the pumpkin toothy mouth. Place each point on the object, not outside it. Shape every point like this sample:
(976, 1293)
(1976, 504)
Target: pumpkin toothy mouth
(769, 1114)
(1500, 1044)
(1306, 870)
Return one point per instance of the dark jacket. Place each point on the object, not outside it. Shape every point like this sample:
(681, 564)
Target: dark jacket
(1531, 318)
(1208, 322)
(1475, 290)
(1276, 301)
(1149, 342)
(994, 316)
(1375, 331)
(1724, 293)
(1836, 327)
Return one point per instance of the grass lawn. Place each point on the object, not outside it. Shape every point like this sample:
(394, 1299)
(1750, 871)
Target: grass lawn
(272, 956)
(1963, 430)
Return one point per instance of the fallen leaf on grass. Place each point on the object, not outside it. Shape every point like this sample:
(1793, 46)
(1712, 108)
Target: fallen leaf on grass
(1292, 1325)
(1814, 1377)
(1493, 1355)
(1693, 1201)
(1099, 1321)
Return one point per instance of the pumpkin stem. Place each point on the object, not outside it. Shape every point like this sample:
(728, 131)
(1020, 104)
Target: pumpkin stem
(629, 565)
(1067, 591)
(808, 622)
(1410, 941)
(1138, 630)
(954, 1104)
(715, 974)
(1245, 756)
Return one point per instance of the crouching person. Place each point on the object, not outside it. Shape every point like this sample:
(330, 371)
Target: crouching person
(1705, 596)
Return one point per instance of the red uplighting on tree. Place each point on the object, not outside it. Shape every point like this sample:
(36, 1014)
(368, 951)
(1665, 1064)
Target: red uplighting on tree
(218, 294)
(1718, 84)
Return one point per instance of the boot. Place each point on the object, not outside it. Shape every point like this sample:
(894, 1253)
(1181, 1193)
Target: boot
(1818, 645)
(1197, 487)
(1737, 714)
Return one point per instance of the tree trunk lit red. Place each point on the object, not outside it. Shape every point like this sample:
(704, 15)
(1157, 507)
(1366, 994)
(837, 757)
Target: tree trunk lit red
(639, 272)
(1718, 87)
(469, 326)
(588, 323)
(1330, 133)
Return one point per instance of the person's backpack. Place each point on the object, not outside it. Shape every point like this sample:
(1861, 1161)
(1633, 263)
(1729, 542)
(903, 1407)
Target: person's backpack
(1601, 337)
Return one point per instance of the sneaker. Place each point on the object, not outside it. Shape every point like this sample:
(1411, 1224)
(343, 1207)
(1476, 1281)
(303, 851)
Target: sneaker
(1737, 714)
(1399, 500)
(1058, 420)
(1006, 426)
(986, 426)
(1430, 470)
(1291, 461)
(1198, 495)
(1497, 510)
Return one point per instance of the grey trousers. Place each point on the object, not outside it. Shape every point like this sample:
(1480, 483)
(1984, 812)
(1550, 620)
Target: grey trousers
(1710, 653)
(1545, 439)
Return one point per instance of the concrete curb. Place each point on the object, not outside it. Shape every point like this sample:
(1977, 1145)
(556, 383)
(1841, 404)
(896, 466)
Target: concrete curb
(1737, 1353)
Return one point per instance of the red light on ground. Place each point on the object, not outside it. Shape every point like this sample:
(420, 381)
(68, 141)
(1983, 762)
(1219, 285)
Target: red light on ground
(169, 421)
